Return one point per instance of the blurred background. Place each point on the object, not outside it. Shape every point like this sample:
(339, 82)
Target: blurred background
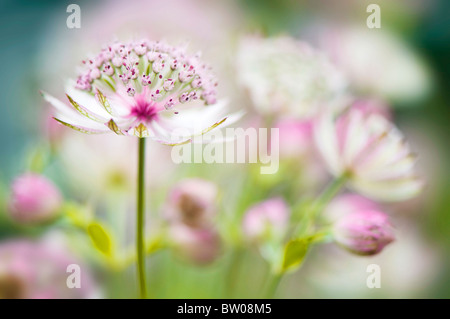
(38, 51)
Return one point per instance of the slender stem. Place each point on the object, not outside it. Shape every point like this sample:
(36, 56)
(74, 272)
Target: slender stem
(317, 207)
(233, 272)
(273, 285)
(140, 222)
(320, 203)
(328, 194)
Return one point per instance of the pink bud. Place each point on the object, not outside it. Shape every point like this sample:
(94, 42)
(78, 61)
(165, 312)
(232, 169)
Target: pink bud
(34, 198)
(364, 232)
(192, 202)
(266, 220)
(200, 246)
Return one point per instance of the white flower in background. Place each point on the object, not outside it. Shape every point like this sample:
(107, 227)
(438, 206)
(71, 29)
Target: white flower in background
(371, 151)
(286, 76)
(146, 89)
(98, 163)
(377, 62)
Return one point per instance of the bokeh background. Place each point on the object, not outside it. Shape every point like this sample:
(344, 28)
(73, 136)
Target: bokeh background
(38, 52)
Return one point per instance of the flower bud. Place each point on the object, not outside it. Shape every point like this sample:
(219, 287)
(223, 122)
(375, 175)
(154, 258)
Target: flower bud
(364, 232)
(266, 220)
(192, 202)
(198, 245)
(34, 199)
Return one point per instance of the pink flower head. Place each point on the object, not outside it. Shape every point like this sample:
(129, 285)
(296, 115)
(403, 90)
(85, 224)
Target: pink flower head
(192, 202)
(371, 151)
(31, 270)
(267, 220)
(199, 246)
(295, 138)
(373, 106)
(34, 198)
(364, 232)
(142, 88)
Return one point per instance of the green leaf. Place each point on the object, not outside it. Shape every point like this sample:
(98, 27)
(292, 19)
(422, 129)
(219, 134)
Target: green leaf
(38, 160)
(294, 253)
(76, 214)
(100, 238)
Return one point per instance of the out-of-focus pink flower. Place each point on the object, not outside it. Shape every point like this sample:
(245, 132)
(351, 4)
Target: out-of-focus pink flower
(267, 220)
(373, 106)
(295, 138)
(364, 232)
(32, 270)
(34, 198)
(371, 151)
(146, 89)
(348, 204)
(197, 245)
(288, 77)
(192, 202)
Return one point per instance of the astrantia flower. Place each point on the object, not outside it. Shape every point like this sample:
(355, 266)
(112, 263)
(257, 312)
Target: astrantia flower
(370, 151)
(285, 76)
(146, 89)
(364, 232)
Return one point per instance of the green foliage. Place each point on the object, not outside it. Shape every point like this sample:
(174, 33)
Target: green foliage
(100, 238)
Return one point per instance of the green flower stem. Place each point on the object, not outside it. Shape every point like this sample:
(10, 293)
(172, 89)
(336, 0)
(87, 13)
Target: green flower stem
(317, 207)
(273, 285)
(233, 271)
(328, 194)
(320, 203)
(140, 222)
